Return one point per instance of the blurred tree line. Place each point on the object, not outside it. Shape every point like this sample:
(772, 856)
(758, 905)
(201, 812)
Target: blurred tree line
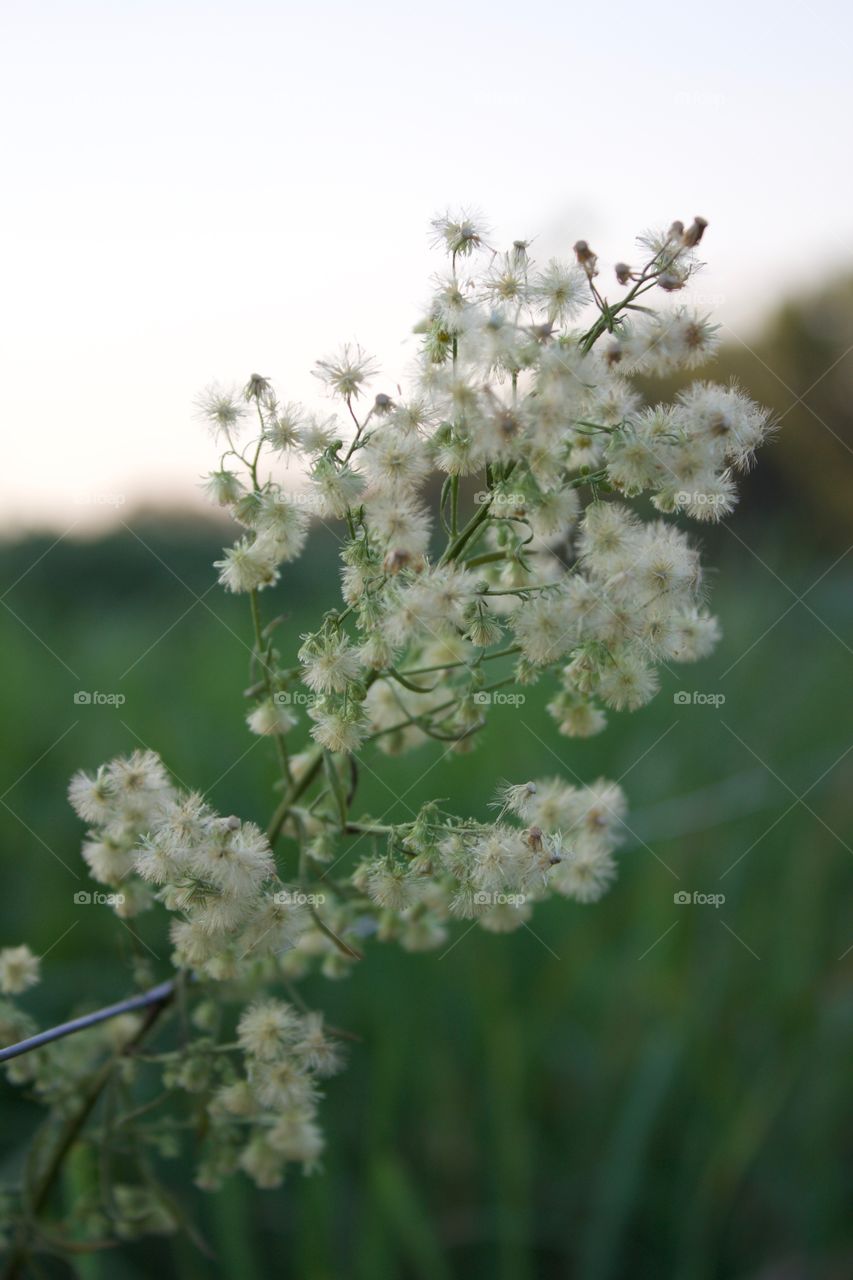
(800, 364)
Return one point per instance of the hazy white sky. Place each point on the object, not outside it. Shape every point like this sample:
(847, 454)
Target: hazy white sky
(198, 190)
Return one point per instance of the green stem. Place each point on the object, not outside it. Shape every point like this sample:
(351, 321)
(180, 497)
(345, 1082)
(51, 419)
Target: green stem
(345, 947)
(281, 746)
(604, 323)
(370, 828)
(444, 706)
(488, 557)
(458, 544)
(293, 793)
(446, 666)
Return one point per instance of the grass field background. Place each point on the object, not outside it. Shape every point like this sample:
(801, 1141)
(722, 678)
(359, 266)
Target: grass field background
(637, 1087)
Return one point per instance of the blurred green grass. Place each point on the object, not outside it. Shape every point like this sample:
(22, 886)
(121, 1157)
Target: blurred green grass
(634, 1088)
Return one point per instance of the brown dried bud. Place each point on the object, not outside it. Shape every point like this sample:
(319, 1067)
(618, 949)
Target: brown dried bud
(670, 283)
(585, 257)
(533, 838)
(395, 561)
(623, 272)
(676, 231)
(694, 232)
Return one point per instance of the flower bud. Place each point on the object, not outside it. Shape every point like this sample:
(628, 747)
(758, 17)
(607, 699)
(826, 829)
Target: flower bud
(586, 258)
(694, 232)
(256, 388)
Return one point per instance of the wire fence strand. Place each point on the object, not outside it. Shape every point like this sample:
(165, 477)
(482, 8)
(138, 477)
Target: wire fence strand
(155, 995)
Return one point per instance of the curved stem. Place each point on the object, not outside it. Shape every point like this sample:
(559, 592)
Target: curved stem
(458, 544)
(281, 745)
(292, 794)
(444, 706)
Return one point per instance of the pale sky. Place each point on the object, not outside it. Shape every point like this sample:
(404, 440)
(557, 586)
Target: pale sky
(196, 191)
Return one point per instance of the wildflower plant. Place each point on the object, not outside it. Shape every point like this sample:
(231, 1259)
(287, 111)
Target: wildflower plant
(510, 518)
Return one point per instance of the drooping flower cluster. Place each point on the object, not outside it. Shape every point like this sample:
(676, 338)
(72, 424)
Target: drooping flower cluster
(265, 1116)
(490, 538)
(236, 922)
(549, 837)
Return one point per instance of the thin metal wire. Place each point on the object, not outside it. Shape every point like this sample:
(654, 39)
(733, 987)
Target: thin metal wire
(156, 995)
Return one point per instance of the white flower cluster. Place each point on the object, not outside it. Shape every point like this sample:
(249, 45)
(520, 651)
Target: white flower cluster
(487, 519)
(535, 419)
(274, 1101)
(217, 874)
(235, 920)
(494, 873)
